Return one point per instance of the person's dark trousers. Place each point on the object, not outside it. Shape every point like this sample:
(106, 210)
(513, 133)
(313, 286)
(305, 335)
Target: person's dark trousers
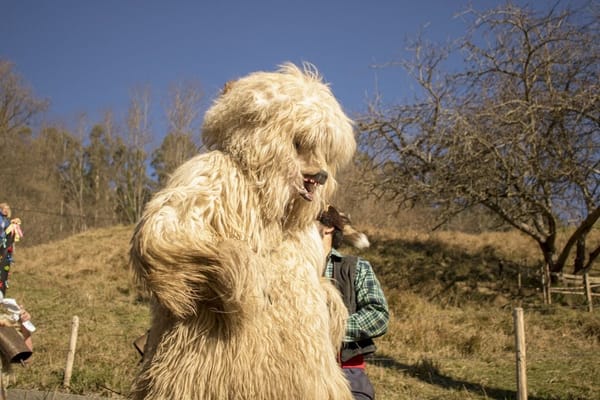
(361, 386)
(4, 269)
(5, 261)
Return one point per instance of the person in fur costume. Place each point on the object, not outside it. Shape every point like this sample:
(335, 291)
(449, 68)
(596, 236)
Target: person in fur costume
(231, 257)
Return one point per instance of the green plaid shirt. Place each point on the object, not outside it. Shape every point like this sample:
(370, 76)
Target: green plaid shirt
(372, 315)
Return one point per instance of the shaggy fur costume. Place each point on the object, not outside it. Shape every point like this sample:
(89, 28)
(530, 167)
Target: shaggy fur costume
(231, 256)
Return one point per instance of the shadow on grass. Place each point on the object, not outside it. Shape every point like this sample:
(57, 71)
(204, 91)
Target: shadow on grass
(450, 275)
(428, 372)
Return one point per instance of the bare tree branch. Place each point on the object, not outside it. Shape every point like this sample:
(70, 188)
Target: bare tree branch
(515, 131)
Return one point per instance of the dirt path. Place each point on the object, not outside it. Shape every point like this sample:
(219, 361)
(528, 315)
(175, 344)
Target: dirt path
(17, 394)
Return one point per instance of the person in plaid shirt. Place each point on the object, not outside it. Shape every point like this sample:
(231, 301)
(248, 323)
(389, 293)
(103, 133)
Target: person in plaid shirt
(362, 294)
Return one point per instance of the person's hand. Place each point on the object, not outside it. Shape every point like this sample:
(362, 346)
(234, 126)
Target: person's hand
(24, 315)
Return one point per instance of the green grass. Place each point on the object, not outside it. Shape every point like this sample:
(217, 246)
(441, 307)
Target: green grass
(450, 336)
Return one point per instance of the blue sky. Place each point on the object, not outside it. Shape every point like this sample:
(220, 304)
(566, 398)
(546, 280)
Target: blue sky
(87, 56)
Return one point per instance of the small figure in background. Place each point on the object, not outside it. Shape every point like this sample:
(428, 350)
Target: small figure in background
(10, 232)
(4, 215)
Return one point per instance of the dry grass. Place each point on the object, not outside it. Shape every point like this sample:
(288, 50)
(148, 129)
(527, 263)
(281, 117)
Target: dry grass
(85, 276)
(451, 334)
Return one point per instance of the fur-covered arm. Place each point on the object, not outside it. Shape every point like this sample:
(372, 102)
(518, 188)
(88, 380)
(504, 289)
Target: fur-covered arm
(185, 253)
(218, 278)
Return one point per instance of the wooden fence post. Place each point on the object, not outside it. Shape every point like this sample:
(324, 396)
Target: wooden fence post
(71, 353)
(545, 291)
(519, 280)
(548, 280)
(520, 354)
(588, 292)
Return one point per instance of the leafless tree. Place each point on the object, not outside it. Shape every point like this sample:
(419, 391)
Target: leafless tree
(18, 107)
(183, 107)
(100, 171)
(131, 180)
(516, 129)
(17, 102)
(183, 111)
(72, 173)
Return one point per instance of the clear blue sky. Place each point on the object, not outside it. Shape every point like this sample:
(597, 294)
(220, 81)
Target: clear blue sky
(86, 56)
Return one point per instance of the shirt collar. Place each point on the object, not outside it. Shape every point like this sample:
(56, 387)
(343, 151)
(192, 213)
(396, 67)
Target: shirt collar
(334, 254)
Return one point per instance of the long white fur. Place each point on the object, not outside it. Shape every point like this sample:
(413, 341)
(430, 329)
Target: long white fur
(231, 256)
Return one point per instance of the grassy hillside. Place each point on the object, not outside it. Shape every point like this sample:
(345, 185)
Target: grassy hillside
(451, 334)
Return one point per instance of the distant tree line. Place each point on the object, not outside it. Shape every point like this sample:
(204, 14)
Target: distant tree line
(61, 181)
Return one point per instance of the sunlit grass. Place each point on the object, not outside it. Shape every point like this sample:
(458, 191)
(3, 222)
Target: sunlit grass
(450, 336)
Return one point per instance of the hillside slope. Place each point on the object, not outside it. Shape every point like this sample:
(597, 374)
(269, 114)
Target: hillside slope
(451, 334)
(86, 276)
